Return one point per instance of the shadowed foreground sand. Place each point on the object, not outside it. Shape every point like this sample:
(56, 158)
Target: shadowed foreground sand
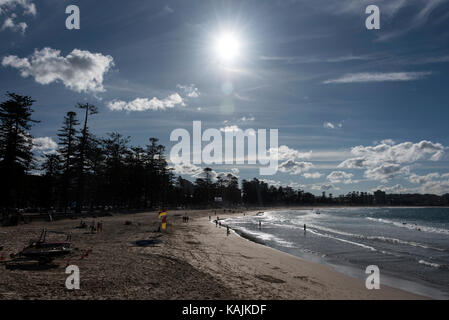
(194, 260)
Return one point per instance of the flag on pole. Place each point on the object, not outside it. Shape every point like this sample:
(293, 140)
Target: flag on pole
(164, 223)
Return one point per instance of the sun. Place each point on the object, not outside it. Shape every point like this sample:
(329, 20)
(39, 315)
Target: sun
(227, 47)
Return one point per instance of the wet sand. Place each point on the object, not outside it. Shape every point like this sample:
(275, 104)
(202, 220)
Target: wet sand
(194, 260)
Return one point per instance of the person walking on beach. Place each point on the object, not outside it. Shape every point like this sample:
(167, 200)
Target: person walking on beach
(92, 227)
(305, 227)
(227, 231)
(216, 223)
(260, 224)
(100, 226)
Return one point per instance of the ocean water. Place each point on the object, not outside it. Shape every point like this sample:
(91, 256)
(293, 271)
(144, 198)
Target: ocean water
(409, 245)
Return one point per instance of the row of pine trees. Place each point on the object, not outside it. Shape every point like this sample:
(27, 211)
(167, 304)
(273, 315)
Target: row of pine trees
(89, 172)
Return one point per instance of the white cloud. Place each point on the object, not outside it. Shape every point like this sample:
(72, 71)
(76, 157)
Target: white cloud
(277, 184)
(354, 163)
(190, 90)
(16, 27)
(80, 71)
(235, 129)
(224, 175)
(312, 175)
(232, 128)
(413, 178)
(340, 176)
(330, 125)
(295, 185)
(390, 142)
(324, 187)
(247, 119)
(435, 187)
(398, 188)
(286, 153)
(274, 183)
(235, 172)
(386, 172)
(195, 171)
(434, 183)
(295, 167)
(385, 160)
(379, 77)
(44, 144)
(144, 104)
(406, 152)
(188, 169)
(29, 8)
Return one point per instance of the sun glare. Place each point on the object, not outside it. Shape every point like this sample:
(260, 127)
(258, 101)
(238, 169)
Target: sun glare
(227, 47)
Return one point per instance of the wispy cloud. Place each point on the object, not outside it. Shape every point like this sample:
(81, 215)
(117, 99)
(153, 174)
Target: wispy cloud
(314, 59)
(416, 19)
(330, 125)
(190, 90)
(379, 77)
(417, 11)
(440, 59)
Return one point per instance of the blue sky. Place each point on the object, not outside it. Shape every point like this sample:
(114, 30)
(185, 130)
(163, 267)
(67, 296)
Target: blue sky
(356, 109)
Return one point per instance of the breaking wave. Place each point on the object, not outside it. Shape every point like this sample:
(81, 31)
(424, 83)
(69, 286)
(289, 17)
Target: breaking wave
(411, 226)
(430, 264)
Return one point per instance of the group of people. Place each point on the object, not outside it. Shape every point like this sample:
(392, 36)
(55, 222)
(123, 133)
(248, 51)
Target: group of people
(96, 227)
(218, 224)
(93, 227)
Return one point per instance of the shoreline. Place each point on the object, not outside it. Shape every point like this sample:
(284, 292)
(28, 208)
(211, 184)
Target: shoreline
(319, 280)
(190, 261)
(389, 280)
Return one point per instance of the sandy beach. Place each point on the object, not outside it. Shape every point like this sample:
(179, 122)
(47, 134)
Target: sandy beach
(194, 260)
